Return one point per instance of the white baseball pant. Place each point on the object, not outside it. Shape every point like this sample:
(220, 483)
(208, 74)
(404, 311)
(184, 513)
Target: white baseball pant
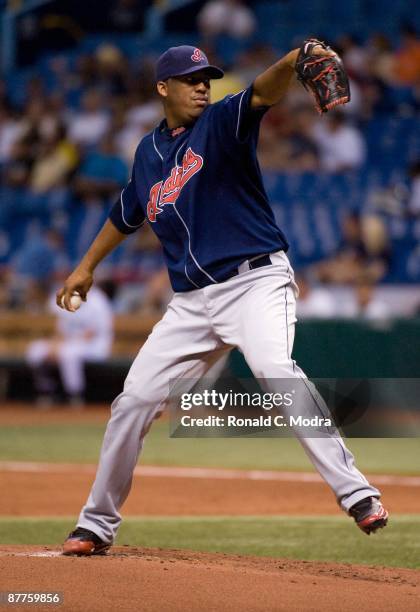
(253, 311)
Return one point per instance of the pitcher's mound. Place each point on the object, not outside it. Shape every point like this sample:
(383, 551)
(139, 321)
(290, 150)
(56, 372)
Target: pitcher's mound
(130, 578)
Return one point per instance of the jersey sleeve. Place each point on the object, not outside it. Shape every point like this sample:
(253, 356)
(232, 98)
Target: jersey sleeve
(127, 214)
(236, 116)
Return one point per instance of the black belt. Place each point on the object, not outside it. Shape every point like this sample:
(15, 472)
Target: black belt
(256, 262)
(259, 262)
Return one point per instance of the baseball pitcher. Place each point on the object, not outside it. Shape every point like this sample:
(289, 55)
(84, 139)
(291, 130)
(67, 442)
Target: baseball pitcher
(196, 181)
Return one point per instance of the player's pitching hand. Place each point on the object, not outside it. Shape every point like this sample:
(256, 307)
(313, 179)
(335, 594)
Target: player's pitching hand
(79, 281)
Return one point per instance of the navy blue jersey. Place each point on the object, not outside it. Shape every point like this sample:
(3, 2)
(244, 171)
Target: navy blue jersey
(201, 190)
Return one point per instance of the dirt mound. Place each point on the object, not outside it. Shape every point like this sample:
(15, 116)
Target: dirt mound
(173, 580)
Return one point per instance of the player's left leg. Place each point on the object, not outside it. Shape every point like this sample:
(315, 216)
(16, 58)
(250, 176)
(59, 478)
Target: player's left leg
(180, 349)
(263, 329)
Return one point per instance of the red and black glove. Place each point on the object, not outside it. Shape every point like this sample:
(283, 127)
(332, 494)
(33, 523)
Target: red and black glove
(323, 76)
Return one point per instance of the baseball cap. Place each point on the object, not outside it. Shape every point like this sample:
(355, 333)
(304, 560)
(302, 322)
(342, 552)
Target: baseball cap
(178, 61)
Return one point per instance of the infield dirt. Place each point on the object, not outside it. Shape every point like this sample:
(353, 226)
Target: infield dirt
(169, 580)
(32, 493)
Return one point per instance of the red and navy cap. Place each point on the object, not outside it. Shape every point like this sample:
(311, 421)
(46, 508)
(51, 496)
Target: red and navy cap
(178, 61)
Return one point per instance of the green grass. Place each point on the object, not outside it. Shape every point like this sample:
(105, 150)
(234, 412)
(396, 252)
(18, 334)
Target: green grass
(81, 444)
(321, 538)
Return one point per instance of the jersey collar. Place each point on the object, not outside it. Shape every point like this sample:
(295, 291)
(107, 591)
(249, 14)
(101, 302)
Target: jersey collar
(171, 133)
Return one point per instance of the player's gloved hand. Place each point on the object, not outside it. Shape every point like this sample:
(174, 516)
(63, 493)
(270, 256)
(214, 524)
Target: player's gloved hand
(321, 72)
(79, 281)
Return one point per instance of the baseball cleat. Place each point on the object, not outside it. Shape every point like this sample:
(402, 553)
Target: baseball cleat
(83, 542)
(369, 515)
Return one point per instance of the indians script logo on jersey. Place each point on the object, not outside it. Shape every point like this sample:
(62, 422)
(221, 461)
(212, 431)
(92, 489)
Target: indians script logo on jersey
(168, 192)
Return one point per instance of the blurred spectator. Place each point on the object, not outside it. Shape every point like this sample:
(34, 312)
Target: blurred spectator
(226, 17)
(366, 305)
(341, 146)
(41, 258)
(57, 158)
(286, 142)
(85, 76)
(354, 56)
(103, 173)
(381, 59)
(364, 252)
(142, 274)
(39, 261)
(303, 151)
(35, 121)
(142, 82)
(111, 70)
(80, 336)
(144, 114)
(273, 152)
(400, 197)
(407, 58)
(392, 199)
(99, 181)
(375, 239)
(254, 60)
(88, 125)
(314, 302)
(130, 126)
(358, 105)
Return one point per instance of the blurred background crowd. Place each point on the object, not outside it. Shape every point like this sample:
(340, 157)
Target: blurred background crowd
(77, 94)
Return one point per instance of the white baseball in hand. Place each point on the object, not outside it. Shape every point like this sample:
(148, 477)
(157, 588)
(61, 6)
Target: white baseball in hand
(75, 300)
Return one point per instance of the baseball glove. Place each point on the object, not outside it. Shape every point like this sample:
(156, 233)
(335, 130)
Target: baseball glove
(323, 76)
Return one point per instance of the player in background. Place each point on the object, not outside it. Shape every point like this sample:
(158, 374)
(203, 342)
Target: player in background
(197, 181)
(79, 337)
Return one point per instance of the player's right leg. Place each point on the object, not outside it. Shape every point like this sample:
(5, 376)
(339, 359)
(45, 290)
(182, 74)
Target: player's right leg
(182, 344)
